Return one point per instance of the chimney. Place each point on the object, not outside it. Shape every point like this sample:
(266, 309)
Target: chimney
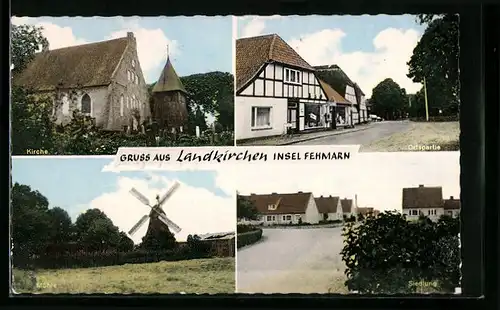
(356, 200)
(300, 192)
(330, 196)
(252, 194)
(131, 37)
(321, 196)
(451, 197)
(274, 193)
(421, 185)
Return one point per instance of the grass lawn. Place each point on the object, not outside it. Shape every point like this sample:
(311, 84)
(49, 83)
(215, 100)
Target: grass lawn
(216, 275)
(421, 134)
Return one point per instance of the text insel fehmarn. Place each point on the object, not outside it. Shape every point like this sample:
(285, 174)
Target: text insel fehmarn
(217, 156)
(311, 155)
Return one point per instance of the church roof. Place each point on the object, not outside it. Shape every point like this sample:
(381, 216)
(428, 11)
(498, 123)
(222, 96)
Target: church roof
(169, 80)
(75, 66)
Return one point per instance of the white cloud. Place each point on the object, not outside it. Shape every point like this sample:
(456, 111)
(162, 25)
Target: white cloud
(151, 47)
(57, 36)
(376, 178)
(393, 49)
(195, 210)
(255, 25)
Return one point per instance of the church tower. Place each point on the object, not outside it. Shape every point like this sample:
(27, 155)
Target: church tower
(169, 98)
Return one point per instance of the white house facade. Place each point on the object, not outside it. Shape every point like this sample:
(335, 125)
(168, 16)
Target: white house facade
(283, 209)
(276, 92)
(429, 202)
(330, 208)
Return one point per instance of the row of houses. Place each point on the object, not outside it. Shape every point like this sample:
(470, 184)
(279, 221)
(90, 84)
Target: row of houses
(105, 81)
(428, 201)
(277, 91)
(293, 208)
(303, 207)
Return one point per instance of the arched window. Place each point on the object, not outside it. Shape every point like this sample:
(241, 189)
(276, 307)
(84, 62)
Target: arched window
(86, 104)
(65, 105)
(128, 103)
(122, 107)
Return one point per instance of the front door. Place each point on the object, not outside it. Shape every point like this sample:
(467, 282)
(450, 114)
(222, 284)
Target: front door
(302, 114)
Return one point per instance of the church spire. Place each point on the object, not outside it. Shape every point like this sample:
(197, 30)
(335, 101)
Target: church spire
(169, 80)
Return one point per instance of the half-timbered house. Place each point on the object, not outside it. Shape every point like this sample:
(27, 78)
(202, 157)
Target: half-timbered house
(340, 81)
(276, 90)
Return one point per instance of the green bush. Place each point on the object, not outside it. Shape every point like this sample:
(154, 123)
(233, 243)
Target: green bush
(249, 237)
(243, 228)
(388, 254)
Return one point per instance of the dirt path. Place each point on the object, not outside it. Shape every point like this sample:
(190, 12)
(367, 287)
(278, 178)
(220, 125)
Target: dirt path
(293, 261)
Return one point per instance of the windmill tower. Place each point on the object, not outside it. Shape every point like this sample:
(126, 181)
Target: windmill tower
(169, 99)
(159, 222)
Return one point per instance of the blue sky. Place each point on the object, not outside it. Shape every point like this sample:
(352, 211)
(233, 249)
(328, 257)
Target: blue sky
(197, 44)
(369, 48)
(71, 183)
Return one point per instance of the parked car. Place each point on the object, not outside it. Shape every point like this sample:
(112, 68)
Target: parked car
(375, 118)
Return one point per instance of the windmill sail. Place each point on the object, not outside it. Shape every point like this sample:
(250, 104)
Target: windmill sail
(134, 229)
(168, 193)
(169, 223)
(139, 196)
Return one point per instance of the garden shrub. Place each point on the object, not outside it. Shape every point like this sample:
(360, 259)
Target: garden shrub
(249, 237)
(387, 253)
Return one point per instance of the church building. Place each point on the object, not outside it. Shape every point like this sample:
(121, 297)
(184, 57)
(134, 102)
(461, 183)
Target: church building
(103, 80)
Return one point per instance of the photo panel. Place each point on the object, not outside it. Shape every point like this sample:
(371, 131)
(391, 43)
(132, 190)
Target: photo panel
(385, 223)
(78, 230)
(377, 81)
(88, 85)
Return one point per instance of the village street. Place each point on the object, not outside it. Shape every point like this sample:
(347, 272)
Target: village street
(292, 261)
(376, 131)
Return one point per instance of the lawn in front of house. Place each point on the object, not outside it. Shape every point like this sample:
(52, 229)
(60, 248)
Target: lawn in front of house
(199, 276)
(421, 136)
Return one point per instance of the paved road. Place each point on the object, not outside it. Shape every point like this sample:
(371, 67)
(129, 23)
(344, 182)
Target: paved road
(364, 137)
(292, 261)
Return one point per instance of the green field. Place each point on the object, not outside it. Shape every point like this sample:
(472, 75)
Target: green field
(210, 276)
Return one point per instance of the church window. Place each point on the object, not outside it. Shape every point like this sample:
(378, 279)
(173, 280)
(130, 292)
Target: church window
(86, 104)
(128, 104)
(122, 107)
(133, 63)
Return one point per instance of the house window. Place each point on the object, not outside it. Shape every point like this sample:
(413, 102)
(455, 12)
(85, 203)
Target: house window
(431, 212)
(261, 117)
(292, 76)
(414, 212)
(86, 104)
(288, 217)
(271, 218)
(122, 107)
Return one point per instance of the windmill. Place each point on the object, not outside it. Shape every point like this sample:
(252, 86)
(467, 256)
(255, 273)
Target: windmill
(156, 213)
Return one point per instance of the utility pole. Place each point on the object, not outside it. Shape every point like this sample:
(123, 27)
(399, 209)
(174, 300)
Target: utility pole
(426, 102)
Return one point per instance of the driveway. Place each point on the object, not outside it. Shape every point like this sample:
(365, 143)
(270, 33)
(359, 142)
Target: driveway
(292, 261)
(364, 137)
